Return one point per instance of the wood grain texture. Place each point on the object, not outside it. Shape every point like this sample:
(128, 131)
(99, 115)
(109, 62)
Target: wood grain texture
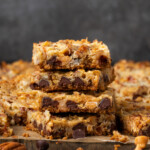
(88, 143)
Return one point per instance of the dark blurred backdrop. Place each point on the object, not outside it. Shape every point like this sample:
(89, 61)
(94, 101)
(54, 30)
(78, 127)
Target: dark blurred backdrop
(124, 25)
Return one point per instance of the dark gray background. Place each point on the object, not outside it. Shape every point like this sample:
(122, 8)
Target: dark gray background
(124, 25)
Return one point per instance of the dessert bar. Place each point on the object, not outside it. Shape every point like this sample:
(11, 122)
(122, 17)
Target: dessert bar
(72, 80)
(9, 71)
(70, 54)
(76, 126)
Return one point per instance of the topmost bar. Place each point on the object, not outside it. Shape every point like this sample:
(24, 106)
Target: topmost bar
(70, 54)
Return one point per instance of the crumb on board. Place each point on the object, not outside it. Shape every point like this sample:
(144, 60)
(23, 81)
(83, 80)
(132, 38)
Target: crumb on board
(116, 147)
(25, 135)
(140, 142)
(14, 136)
(79, 148)
(119, 137)
(65, 138)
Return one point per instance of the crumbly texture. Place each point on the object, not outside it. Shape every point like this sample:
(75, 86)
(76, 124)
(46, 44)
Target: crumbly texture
(5, 130)
(76, 126)
(72, 80)
(70, 54)
(16, 102)
(119, 137)
(9, 71)
(132, 96)
(136, 122)
(132, 85)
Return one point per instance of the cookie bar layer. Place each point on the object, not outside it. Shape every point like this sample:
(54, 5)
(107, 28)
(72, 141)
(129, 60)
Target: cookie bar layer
(136, 122)
(72, 80)
(9, 71)
(76, 126)
(70, 54)
(16, 102)
(132, 85)
(5, 130)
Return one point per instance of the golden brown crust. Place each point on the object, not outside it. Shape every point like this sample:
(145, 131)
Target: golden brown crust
(71, 80)
(9, 71)
(73, 125)
(70, 54)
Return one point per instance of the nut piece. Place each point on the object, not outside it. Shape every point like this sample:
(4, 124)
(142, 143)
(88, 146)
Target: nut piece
(119, 137)
(140, 142)
(12, 146)
(79, 148)
(116, 147)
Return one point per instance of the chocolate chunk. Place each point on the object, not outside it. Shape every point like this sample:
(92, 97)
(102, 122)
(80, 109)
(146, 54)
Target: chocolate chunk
(49, 102)
(78, 82)
(78, 133)
(35, 124)
(145, 132)
(142, 90)
(40, 127)
(64, 82)
(103, 60)
(42, 145)
(68, 53)
(34, 86)
(17, 119)
(90, 82)
(43, 83)
(79, 126)
(106, 79)
(105, 103)
(99, 130)
(53, 61)
(71, 105)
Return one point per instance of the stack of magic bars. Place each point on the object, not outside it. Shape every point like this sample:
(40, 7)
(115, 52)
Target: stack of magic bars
(81, 72)
(65, 93)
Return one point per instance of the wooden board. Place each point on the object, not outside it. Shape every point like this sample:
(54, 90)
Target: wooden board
(87, 143)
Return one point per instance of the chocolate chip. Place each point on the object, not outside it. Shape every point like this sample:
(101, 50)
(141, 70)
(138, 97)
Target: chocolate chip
(53, 61)
(78, 82)
(78, 133)
(34, 86)
(103, 61)
(145, 132)
(40, 127)
(79, 126)
(68, 53)
(42, 145)
(99, 130)
(43, 83)
(71, 105)
(90, 82)
(142, 90)
(46, 101)
(105, 103)
(106, 79)
(64, 82)
(35, 124)
(17, 119)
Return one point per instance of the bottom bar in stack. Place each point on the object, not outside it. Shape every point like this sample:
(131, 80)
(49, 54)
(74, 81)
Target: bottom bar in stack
(25, 108)
(69, 125)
